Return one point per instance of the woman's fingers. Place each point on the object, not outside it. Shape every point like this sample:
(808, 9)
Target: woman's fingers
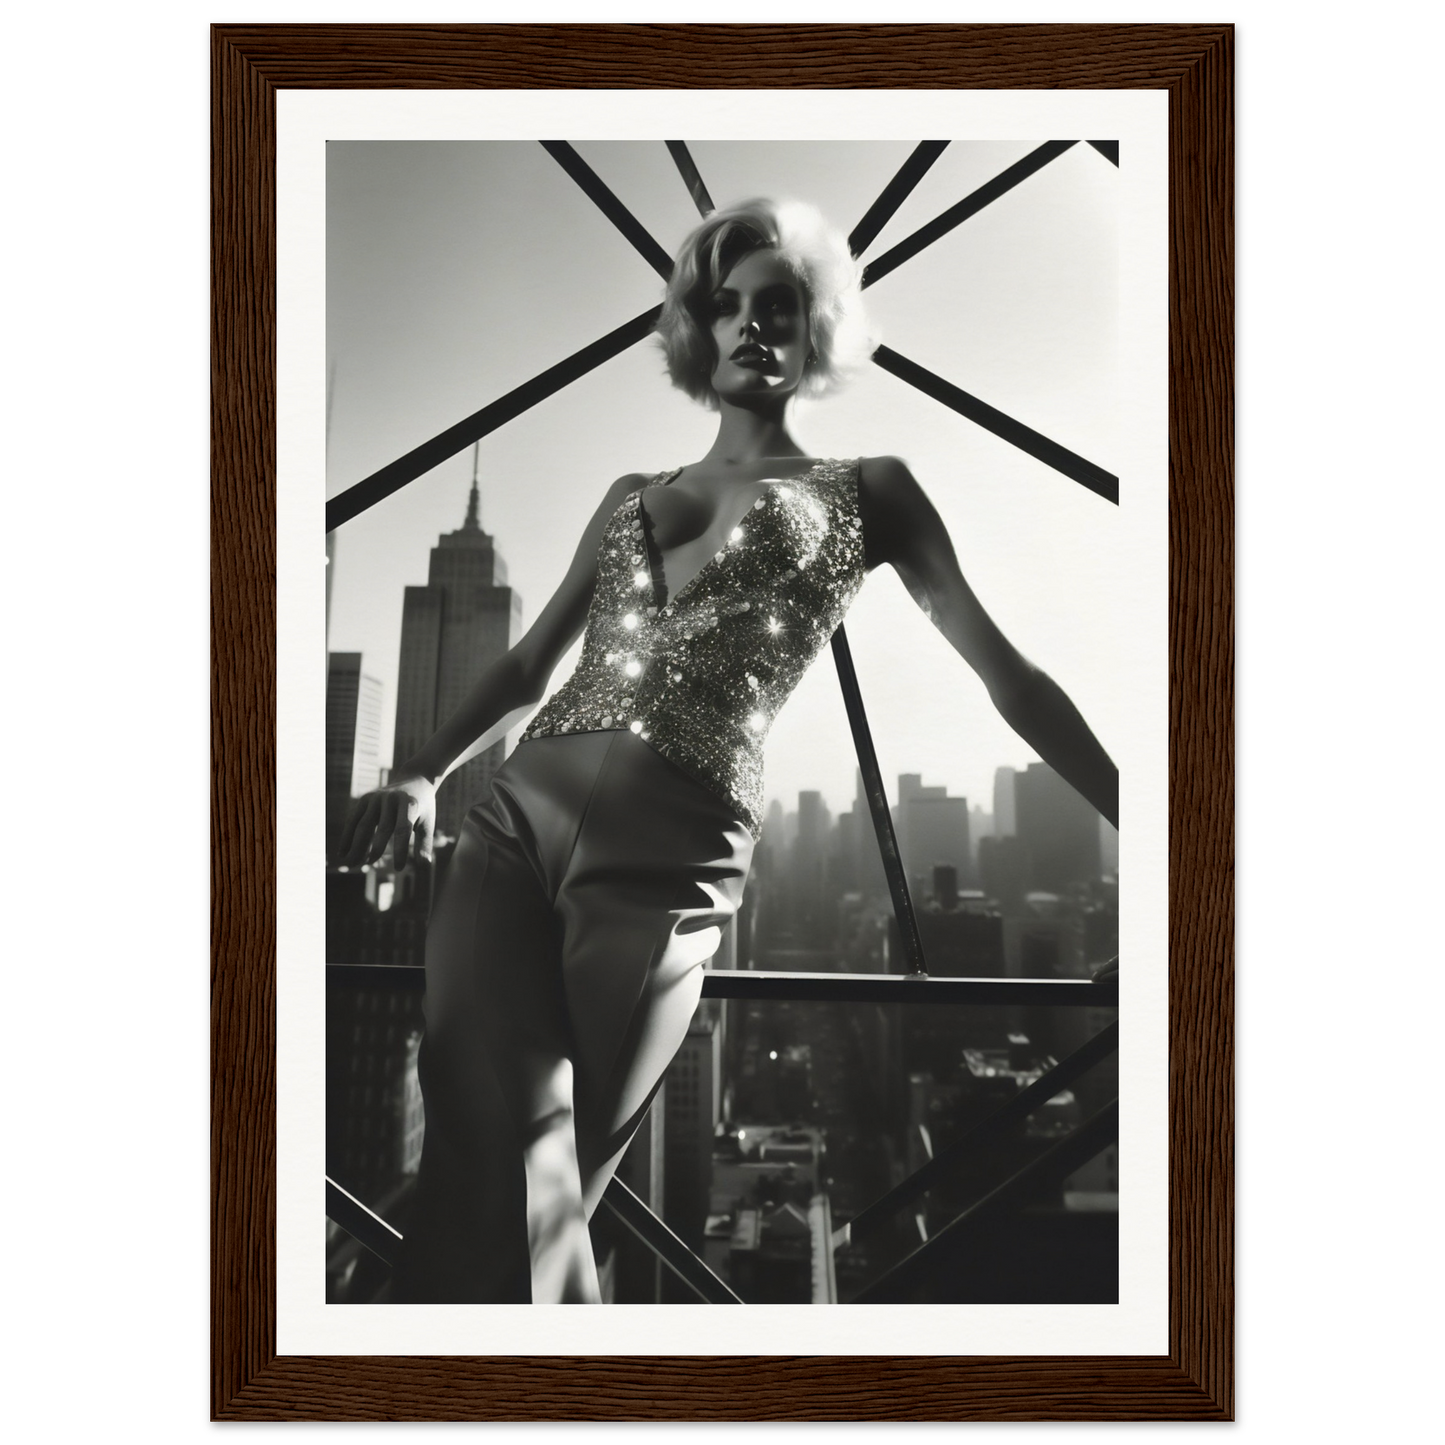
(400, 838)
(385, 824)
(356, 836)
(392, 817)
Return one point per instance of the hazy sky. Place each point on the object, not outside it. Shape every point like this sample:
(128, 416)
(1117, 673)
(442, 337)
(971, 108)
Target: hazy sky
(457, 270)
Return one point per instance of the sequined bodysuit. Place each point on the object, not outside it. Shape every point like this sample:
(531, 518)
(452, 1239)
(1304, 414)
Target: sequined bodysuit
(701, 675)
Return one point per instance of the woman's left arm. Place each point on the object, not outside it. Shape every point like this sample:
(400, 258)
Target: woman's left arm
(902, 527)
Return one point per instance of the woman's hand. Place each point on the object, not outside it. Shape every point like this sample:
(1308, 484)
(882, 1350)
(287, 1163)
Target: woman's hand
(404, 814)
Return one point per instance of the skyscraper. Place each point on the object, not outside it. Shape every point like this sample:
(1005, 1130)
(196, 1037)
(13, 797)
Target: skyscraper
(1060, 828)
(463, 619)
(812, 921)
(932, 829)
(353, 733)
(1005, 824)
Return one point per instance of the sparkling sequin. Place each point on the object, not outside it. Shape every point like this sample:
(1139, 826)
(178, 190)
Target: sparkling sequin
(731, 645)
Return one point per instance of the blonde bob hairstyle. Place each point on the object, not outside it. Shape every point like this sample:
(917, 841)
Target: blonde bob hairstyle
(814, 252)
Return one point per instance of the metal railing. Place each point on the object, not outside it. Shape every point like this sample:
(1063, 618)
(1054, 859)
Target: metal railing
(1060, 1160)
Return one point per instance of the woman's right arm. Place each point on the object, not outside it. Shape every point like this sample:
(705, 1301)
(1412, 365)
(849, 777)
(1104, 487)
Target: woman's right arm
(404, 812)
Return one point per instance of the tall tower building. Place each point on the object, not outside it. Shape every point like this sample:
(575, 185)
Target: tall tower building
(463, 619)
(1059, 827)
(1005, 823)
(691, 1101)
(353, 734)
(932, 829)
(813, 918)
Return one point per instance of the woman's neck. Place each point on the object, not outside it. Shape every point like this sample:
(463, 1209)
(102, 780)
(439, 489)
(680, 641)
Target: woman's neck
(746, 435)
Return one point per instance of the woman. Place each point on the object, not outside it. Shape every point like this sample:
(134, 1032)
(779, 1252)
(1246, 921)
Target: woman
(565, 949)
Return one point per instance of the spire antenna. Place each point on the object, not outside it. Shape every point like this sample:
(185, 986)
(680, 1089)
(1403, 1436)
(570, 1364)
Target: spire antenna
(474, 502)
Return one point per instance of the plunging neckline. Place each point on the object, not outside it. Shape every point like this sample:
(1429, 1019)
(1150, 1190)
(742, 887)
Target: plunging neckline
(672, 595)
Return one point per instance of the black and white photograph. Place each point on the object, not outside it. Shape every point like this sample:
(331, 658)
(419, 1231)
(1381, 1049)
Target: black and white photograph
(772, 959)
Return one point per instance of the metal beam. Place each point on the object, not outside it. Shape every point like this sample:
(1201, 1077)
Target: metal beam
(1055, 1164)
(894, 194)
(909, 989)
(970, 205)
(985, 1132)
(691, 178)
(877, 797)
(602, 197)
(391, 478)
(366, 1228)
(1025, 438)
(667, 1246)
(817, 987)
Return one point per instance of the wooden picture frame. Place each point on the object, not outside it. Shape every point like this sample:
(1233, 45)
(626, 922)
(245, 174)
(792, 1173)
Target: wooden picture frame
(1195, 1379)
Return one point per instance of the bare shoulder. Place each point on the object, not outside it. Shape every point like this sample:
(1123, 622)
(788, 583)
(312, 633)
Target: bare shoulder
(625, 485)
(617, 492)
(895, 510)
(884, 471)
(886, 487)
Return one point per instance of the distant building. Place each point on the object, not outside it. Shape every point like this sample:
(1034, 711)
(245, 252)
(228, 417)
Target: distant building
(1004, 819)
(637, 1273)
(1060, 828)
(374, 1122)
(353, 736)
(932, 829)
(1004, 868)
(862, 839)
(980, 825)
(692, 1097)
(812, 919)
(769, 1230)
(463, 619)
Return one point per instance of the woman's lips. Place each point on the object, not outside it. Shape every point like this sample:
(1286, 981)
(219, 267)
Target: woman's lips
(751, 356)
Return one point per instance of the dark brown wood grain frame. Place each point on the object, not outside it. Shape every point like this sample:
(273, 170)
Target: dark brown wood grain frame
(1195, 1380)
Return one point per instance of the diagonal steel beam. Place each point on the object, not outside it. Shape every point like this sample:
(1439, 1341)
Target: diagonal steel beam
(355, 500)
(627, 1207)
(985, 1132)
(878, 804)
(894, 194)
(368, 1229)
(602, 197)
(971, 205)
(1051, 1167)
(691, 178)
(1036, 444)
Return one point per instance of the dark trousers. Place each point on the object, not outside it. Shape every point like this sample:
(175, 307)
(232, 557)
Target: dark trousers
(563, 963)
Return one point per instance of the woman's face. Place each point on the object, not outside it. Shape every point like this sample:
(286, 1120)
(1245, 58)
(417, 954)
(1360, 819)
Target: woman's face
(758, 318)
